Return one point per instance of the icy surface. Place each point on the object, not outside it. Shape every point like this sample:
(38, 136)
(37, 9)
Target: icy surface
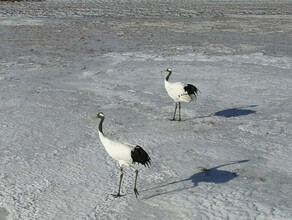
(62, 62)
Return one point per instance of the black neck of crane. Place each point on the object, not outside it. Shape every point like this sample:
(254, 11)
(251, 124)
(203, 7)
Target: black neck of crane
(167, 78)
(100, 125)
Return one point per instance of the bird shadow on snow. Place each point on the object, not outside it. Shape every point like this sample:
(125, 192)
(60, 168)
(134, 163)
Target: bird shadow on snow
(235, 112)
(232, 112)
(212, 175)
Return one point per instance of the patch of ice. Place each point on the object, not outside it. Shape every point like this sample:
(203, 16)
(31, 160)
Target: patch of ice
(22, 22)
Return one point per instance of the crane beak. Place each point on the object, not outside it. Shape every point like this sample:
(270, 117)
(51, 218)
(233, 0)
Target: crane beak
(92, 118)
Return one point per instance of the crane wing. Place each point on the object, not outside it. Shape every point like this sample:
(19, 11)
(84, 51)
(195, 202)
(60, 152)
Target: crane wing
(139, 155)
(191, 89)
(178, 93)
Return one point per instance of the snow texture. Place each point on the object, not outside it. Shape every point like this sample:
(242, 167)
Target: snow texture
(62, 62)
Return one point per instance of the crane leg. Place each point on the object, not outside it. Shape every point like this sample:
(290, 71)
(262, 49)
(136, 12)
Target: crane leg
(179, 119)
(119, 191)
(135, 184)
(173, 119)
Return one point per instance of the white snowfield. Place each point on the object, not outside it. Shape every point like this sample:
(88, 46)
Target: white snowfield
(62, 62)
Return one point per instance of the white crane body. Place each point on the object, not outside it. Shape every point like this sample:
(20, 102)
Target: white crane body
(118, 151)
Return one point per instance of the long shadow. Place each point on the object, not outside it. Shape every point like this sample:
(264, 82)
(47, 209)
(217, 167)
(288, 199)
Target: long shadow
(231, 112)
(212, 175)
(235, 112)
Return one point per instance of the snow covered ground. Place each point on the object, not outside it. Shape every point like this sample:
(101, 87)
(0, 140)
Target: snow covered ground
(62, 62)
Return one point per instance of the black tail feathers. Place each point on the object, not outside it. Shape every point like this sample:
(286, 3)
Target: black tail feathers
(191, 89)
(139, 155)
